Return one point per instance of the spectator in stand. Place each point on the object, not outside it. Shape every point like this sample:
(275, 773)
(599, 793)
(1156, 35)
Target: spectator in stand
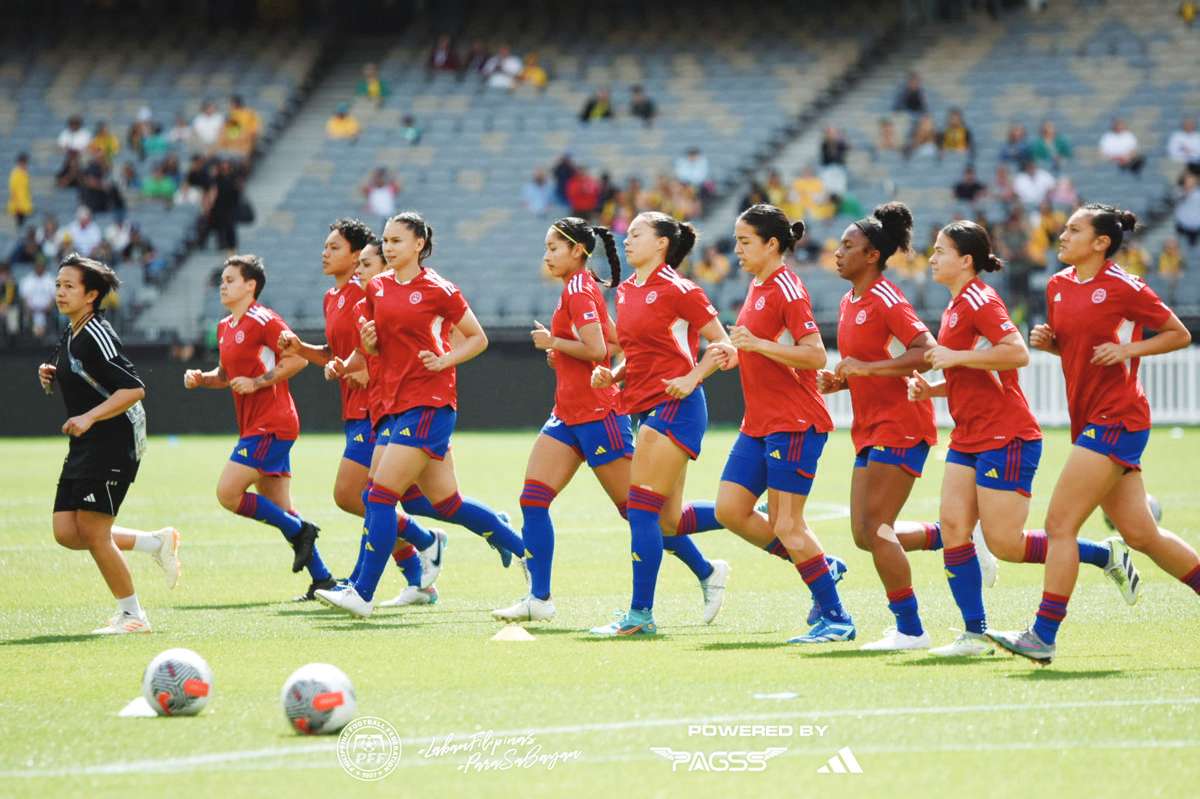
(1010, 240)
(969, 189)
(139, 130)
(99, 192)
(583, 194)
(642, 107)
(1063, 196)
(923, 138)
(26, 250)
(157, 144)
(410, 131)
(140, 250)
(74, 137)
(1043, 237)
(619, 212)
(117, 235)
(502, 69)
(181, 135)
(563, 170)
(48, 235)
(342, 125)
(235, 141)
(221, 205)
(1050, 148)
(247, 120)
(1187, 210)
(195, 182)
(442, 57)
(885, 136)
(129, 182)
(37, 295)
(1016, 145)
(598, 106)
(1133, 257)
(775, 191)
(381, 190)
(70, 174)
(1120, 146)
(809, 199)
(1188, 11)
(911, 97)
(1170, 260)
(833, 147)
(84, 232)
(372, 86)
(160, 186)
(206, 126)
(1002, 186)
(692, 168)
(1184, 145)
(474, 60)
(20, 197)
(104, 145)
(956, 136)
(10, 309)
(533, 74)
(1032, 184)
(538, 194)
(712, 268)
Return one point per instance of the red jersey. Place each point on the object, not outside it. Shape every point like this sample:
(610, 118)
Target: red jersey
(879, 326)
(410, 317)
(1112, 307)
(341, 333)
(249, 347)
(988, 407)
(376, 401)
(575, 401)
(778, 397)
(658, 327)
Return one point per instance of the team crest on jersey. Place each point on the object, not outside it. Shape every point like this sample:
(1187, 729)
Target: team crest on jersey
(953, 319)
(341, 302)
(239, 336)
(760, 303)
(415, 297)
(651, 297)
(1099, 295)
(861, 317)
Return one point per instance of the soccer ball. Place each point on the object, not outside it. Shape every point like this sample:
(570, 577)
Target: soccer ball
(177, 683)
(1155, 510)
(318, 699)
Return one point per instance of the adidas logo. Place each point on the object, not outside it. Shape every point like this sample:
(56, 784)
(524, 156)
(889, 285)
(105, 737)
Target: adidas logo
(387, 433)
(380, 292)
(90, 498)
(992, 474)
(244, 452)
(1058, 297)
(1090, 433)
(949, 574)
(405, 432)
(843, 762)
(636, 558)
(881, 449)
(368, 547)
(359, 438)
(653, 412)
(600, 450)
(776, 455)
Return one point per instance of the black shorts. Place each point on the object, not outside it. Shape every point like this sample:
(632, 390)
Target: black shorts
(98, 496)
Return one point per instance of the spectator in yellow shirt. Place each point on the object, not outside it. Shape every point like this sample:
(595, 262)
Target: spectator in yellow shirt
(104, 145)
(372, 86)
(1133, 259)
(712, 268)
(247, 118)
(341, 125)
(533, 73)
(1170, 260)
(20, 198)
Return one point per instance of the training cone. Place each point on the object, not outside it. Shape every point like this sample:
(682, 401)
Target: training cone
(513, 632)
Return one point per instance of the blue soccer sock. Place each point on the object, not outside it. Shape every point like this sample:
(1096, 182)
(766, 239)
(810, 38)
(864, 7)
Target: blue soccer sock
(481, 520)
(417, 504)
(903, 604)
(698, 517)
(683, 548)
(966, 584)
(382, 523)
(537, 531)
(646, 544)
(933, 535)
(409, 561)
(259, 508)
(1093, 553)
(1050, 615)
(815, 572)
(362, 552)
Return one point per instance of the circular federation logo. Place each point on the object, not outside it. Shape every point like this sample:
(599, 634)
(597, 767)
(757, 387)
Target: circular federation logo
(651, 297)
(239, 336)
(953, 319)
(760, 303)
(862, 317)
(368, 748)
(341, 302)
(415, 297)
(1099, 295)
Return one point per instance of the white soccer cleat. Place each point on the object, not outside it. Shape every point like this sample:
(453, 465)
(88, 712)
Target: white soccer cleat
(412, 595)
(989, 567)
(431, 557)
(345, 599)
(894, 641)
(528, 608)
(1120, 570)
(713, 587)
(967, 645)
(167, 556)
(123, 623)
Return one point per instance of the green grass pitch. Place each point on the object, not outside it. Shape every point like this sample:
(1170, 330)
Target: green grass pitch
(1117, 714)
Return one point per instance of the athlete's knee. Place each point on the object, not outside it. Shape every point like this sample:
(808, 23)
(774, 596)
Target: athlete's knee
(730, 515)
(67, 535)
(348, 499)
(1008, 546)
(1142, 535)
(668, 525)
(955, 532)
(229, 499)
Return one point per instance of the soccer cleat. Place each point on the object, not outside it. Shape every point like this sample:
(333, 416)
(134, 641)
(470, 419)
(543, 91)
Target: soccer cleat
(345, 599)
(989, 567)
(320, 585)
(431, 557)
(713, 588)
(505, 556)
(123, 623)
(633, 623)
(1120, 570)
(412, 595)
(827, 631)
(303, 544)
(965, 646)
(528, 608)
(894, 641)
(1026, 643)
(837, 570)
(167, 556)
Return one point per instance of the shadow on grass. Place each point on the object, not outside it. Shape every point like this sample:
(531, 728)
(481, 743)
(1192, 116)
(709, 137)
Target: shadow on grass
(951, 661)
(845, 653)
(725, 646)
(1051, 675)
(235, 606)
(49, 639)
(363, 625)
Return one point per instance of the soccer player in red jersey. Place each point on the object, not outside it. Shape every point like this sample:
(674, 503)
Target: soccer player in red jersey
(409, 315)
(586, 425)
(253, 368)
(786, 423)
(660, 318)
(882, 340)
(1096, 313)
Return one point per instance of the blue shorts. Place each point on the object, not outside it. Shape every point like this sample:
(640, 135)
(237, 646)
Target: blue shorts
(427, 429)
(1125, 447)
(910, 459)
(1007, 468)
(683, 421)
(268, 454)
(360, 441)
(780, 461)
(599, 442)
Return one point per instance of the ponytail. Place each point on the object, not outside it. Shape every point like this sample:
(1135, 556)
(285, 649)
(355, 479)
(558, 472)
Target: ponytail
(610, 251)
(1110, 221)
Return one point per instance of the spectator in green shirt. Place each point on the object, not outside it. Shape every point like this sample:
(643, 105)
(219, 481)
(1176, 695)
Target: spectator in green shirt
(1050, 148)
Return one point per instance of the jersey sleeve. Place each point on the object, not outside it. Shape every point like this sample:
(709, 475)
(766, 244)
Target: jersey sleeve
(103, 357)
(798, 317)
(1145, 307)
(695, 307)
(903, 322)
(993, 322)
(271, 331)
(581, 309)
(454, 307)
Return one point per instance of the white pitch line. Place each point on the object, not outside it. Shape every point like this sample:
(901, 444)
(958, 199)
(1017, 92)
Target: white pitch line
(192, 762)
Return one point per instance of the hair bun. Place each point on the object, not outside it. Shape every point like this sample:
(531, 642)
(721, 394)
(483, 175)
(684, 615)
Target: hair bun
(993, 264)
(797, 231)
(897, 222)
(1128, 220)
